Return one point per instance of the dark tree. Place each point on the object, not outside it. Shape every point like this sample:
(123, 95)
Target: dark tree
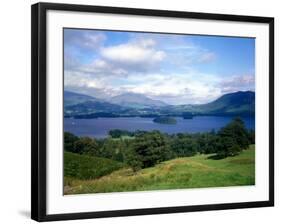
(69, 140)
(86, 145)
(251, 136)
(134, 161)
(114, 149)
(151, 148)
(233, 138)
(207, 143)
(184, 146)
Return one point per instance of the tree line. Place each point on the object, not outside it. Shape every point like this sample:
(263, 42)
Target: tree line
(146, 149)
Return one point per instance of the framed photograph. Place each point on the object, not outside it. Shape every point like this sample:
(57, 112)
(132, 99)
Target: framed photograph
(140, 111)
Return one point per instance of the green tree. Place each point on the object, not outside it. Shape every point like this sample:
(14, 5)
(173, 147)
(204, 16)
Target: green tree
(134, 161)
(86, 145)
(227, 147)
(184, 146)
(112, 149)
(151, 148)
(207, 143)
(69, 140)
(251, 136)
(233, 138)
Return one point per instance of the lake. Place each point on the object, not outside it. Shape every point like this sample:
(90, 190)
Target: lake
(99, 127)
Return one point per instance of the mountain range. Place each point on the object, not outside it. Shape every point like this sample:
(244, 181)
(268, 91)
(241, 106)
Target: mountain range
(130, 104)
(134, 100)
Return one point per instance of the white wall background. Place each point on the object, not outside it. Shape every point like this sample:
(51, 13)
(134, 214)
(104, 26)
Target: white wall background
(15, 110)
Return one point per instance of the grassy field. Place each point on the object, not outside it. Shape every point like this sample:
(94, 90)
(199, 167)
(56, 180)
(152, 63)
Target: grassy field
(188, 172)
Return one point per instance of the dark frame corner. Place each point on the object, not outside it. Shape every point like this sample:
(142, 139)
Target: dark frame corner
(38, 110)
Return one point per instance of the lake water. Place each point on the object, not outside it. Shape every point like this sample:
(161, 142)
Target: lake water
(99, 127)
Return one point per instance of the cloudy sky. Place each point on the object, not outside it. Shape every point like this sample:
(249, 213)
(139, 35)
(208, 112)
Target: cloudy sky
(177, 69)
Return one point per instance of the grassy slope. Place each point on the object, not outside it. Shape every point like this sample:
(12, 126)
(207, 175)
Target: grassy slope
(87, 167)
(188, 172)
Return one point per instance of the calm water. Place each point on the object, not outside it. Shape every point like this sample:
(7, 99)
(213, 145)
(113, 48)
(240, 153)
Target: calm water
(99, 127)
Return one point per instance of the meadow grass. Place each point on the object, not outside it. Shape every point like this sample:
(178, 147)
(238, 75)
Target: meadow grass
(188, 172)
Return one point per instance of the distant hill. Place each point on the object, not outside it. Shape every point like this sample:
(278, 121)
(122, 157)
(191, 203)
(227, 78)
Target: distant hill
(71, 98)
(126, 105)
(238, 103)
(93, 107)
(77, 104)
(134, 100)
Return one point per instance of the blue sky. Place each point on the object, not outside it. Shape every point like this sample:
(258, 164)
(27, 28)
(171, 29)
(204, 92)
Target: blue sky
(177, 69)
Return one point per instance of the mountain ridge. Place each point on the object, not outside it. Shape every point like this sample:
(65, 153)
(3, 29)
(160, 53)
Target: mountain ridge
(72, 98)
(241, 102)
(136, 100)
(237, 103)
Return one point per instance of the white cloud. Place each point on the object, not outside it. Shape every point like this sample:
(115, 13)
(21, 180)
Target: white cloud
(141, 55)
(93, 40)
(101, 68)
(174, 88)
(160, 68)
(238, 83)
(88, 40)
(135, 57)
(134, 53)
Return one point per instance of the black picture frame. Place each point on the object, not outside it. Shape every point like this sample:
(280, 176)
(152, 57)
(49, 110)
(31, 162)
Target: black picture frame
(39, 122)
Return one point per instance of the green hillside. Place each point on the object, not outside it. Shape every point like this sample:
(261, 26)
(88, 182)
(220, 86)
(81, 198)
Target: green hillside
(187, 172)
(88, 167)
(232, 103)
